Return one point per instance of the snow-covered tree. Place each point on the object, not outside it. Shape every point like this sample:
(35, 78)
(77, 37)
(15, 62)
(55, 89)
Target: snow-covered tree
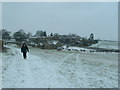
(91, 36)
(40, 33)
(29, 34)
(5, 34)
(20, 35)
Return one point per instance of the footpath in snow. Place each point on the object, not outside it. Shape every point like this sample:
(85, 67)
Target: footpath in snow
(58, 69)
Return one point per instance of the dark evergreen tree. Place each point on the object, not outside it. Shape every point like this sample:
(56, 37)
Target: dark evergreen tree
(45, 33)
(51, 34)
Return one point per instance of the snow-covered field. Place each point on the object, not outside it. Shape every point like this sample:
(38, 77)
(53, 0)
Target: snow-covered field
(0, 70)
(107, 44)
(59, 69)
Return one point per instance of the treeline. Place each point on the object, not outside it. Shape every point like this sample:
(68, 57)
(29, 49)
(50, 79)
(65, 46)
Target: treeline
(20, 35)
(43, 40)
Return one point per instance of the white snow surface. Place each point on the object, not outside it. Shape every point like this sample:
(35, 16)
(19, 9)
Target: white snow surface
(106, 44)
(0, 70)
(58, 69)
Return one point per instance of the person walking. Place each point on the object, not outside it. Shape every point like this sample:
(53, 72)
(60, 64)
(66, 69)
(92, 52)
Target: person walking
(24, 50)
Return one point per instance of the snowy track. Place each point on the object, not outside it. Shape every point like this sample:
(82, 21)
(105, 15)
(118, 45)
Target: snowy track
(58, 69)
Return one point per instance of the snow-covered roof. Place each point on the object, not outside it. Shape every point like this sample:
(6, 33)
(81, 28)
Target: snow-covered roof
(53, 42)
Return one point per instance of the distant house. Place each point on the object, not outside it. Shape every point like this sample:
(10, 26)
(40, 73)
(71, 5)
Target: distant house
(52, 42)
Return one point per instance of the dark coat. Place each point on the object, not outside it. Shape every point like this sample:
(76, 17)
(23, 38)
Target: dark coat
(24, 49)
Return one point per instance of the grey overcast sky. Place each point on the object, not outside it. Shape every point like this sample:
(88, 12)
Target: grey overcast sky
(82, 18)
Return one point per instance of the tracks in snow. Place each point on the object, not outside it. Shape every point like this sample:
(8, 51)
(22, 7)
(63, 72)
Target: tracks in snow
(54, 69)
(69, 69)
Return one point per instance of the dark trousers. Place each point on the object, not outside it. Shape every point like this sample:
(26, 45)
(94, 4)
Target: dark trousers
(24, 55)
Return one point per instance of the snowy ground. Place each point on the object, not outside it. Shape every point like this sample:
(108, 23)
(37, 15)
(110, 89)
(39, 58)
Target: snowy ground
(0, 70)
(107, 44)
(59, 69)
